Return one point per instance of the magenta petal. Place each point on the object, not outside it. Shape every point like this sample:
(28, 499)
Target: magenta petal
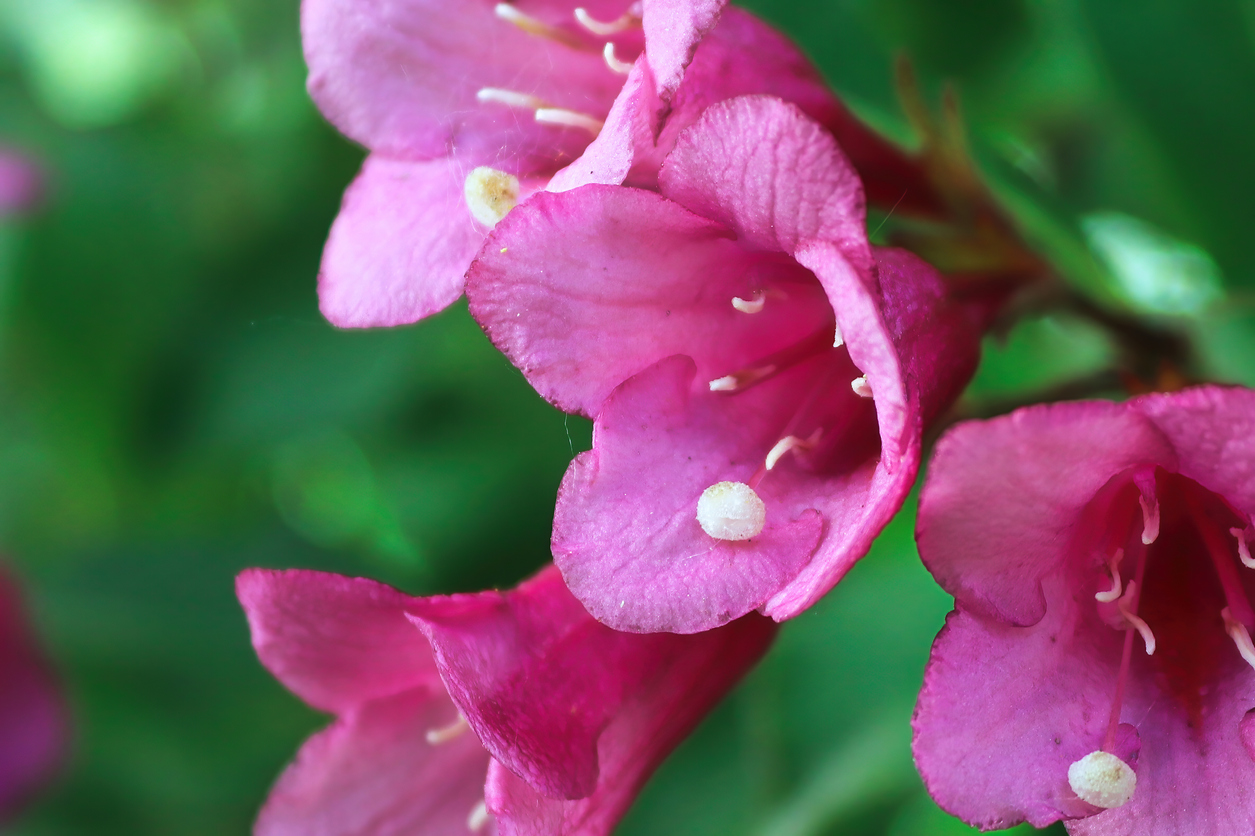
(402, 77)
(1050, 461)
(673, 29)
(373, 773)
(334, 641)
(33, 726)
(400, 246)
(625, 532)
(761, 166)
(656, 713)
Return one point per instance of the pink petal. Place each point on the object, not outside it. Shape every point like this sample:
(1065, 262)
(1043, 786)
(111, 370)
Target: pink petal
(655, 716)
(626, 535)
(990, 553)
(673, 29)
(373, 773)
(33, 724)
(762, 167)
(336, 642)
(584, 289)
(400, 246)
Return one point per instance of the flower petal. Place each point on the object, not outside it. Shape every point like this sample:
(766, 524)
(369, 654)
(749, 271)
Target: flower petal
(373, 773)
(673, 29)
(336, 642)
(400, 246)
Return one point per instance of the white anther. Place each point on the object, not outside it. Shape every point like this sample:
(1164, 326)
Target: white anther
(753, 305)
(1138, 624)
(569, 118)
(532, 26)
(510, 98)
(1114, 566)
(1241, 637)
(628, 20)
(861, 387)
(731, 511)
(1102, 779)
(733, 382)
(1244, 551)
(838, 339)
(1150, 519)
(490, 194)
(613, 62)
(478, 818)
(791, 442)
(446, 733)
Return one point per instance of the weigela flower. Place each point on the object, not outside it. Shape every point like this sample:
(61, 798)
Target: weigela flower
(468, 107)
(759, 375)
(1098, 664)
(33, 726)
(511, 713)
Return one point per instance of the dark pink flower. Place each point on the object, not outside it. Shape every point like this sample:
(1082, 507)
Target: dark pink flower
(21, 184)
(468, 107)
(511, 712)
(740, 460)
(1098, 664)
(33, 726)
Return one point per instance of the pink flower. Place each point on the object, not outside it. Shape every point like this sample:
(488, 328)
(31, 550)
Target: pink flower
(21, 185)
(1098, 664)
(740, 460)
(33, 727)
(468, 107)
(568, 717)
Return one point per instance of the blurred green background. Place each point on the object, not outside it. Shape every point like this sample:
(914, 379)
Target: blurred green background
(173, 408)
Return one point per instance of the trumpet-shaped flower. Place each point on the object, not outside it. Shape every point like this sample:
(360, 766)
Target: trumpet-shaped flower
(33, 728)
(510, 713)
(760, 377)
(469, 107)
(1098, 665)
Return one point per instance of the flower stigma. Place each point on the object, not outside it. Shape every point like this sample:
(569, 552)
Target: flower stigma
(731, 511)
(490, 194)
(1102, 779)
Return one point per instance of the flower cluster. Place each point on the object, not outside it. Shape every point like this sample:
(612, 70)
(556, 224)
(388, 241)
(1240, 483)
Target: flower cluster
(657, 211)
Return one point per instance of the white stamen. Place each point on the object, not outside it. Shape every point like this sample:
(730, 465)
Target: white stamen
(478, 818)
(613, 62)
(1244, 551)
(446, 733)
(838, 339)
(627, 20)
(1150, 519)
(532, 26)
(1102, 779)
(510, 98)
(490, 194)
(733, 382)
(791, 442)
(1238, 632)
(731, 511)
(861, 387)
(569, 118)
(1138, 624)
(753, 305)
(1114, 566)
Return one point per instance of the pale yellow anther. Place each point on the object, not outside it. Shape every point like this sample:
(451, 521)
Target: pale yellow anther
(478, 818)
(490, 194)
(628, 20)
(731, 511)
(1113, 565)
(510, 98)
(838, 339)
(532, 26)
(613, 62)
(569, 119)
(1102, 779)
(1241, 637)
(1150, 520)
(446, 733)
(861, 387)
(733, 382)
(1148, 637)
(752, 305)
(1244, 551)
